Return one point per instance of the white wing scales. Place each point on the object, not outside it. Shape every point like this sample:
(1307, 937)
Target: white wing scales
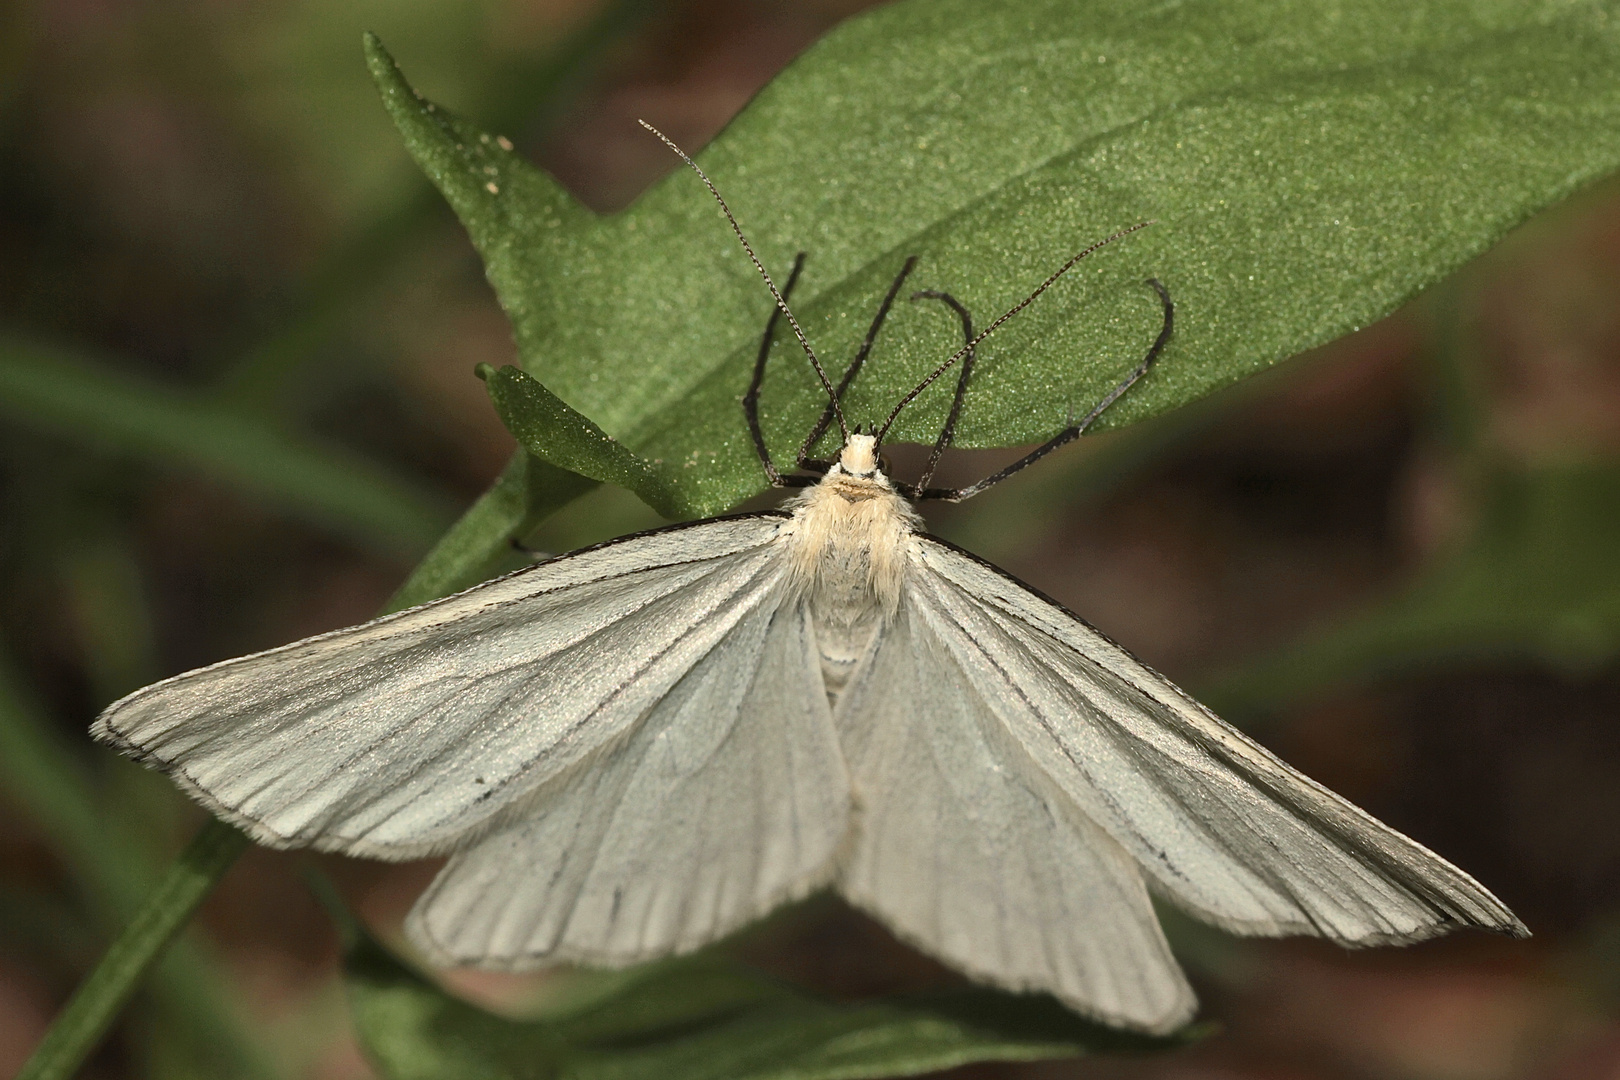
(632, 750)
(965, 848)
(397, 738)
(729, 798)
(1225, 828)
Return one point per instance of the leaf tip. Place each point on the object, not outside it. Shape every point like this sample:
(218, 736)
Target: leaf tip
(378, 58)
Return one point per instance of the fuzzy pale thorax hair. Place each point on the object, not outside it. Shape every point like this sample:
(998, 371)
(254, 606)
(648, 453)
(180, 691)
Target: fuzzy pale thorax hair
(851, 533)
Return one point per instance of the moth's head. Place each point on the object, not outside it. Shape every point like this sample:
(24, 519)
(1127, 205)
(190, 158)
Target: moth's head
(859, 456)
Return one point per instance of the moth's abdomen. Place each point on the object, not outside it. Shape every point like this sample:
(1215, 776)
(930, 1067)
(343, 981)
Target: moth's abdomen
(843, 637)
(845, 610)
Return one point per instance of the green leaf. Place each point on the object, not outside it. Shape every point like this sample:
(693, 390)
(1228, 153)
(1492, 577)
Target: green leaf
(1310, 168)
(1537, 577)
(95, 405)
(554, 433)
(516, 89)
(706, 1019)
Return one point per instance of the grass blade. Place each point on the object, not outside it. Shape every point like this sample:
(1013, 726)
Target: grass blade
(103, 995)
(46, 387)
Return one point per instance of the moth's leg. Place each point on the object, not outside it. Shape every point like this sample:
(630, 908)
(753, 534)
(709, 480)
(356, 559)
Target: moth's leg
(750, 400)
(948, 432)
(1073, 431)
(803, 459)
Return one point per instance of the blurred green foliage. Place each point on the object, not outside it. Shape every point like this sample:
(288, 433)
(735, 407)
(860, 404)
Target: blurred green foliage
(76, 398)
(1311, 167)
(1533, 576)
(279, 70)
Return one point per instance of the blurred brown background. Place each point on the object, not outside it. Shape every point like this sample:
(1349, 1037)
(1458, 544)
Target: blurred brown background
(204, 200)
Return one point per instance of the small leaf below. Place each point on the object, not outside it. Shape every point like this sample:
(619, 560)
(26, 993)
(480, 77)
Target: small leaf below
(557, 434)
(703, 1018)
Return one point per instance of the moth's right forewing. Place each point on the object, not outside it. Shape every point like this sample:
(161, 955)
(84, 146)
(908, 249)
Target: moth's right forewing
(398, 737)
(1224, 828)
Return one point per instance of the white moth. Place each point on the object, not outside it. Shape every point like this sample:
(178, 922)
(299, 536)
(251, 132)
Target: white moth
(637, 748)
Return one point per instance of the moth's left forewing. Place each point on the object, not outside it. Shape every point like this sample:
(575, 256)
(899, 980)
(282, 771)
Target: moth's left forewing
(401, 737)
(1221, 825)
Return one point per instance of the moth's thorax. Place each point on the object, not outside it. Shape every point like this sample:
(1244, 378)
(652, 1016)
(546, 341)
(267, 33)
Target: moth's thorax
(850, 542)
(851, 536)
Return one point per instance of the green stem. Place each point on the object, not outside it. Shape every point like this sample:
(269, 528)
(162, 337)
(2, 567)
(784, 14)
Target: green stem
(41, 773)
(99, 998)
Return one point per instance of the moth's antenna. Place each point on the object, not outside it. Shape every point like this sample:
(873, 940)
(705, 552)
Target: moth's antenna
(832, 395)
(987, 331)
